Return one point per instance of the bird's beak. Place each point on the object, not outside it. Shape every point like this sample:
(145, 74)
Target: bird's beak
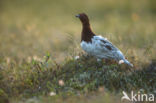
(77, 16)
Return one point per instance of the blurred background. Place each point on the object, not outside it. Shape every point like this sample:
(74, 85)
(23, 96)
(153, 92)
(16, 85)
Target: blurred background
(35, 27)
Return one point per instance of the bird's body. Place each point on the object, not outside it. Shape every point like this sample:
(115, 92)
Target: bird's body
(98, 46)
(101, 48)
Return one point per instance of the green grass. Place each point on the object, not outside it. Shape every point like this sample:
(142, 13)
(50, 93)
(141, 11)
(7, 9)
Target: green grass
(79, 77)
(40, 39)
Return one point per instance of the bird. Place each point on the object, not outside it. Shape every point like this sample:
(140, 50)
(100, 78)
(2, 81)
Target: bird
(98, 46)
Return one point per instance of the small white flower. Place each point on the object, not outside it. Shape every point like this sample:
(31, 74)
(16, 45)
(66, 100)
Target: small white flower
(61, 82)
(37, 58)
(52, 93)
(76, 57)
(121, 61)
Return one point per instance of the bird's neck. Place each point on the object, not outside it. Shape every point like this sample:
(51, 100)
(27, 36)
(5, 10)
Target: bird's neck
(87, 33)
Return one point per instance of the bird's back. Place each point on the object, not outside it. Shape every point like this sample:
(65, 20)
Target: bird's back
(102, 48)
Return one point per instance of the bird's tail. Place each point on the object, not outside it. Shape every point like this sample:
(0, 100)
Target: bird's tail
(128, 63)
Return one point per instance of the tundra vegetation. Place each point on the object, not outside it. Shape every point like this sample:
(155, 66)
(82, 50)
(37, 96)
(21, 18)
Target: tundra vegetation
(41, 60)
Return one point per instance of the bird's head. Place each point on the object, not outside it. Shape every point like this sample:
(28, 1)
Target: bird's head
(83, 18)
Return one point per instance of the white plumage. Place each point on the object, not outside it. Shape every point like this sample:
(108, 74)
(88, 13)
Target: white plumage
(102, 48)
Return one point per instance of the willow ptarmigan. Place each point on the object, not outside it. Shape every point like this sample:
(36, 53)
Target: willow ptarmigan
(98, 46)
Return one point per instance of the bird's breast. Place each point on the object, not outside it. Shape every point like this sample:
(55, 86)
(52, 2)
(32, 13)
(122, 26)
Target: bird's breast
(88, 47)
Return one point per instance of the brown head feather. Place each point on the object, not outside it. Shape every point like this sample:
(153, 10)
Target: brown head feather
(87, 33)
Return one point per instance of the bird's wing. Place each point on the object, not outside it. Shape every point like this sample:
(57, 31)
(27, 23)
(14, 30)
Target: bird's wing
(104, 44)
(106, 49)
